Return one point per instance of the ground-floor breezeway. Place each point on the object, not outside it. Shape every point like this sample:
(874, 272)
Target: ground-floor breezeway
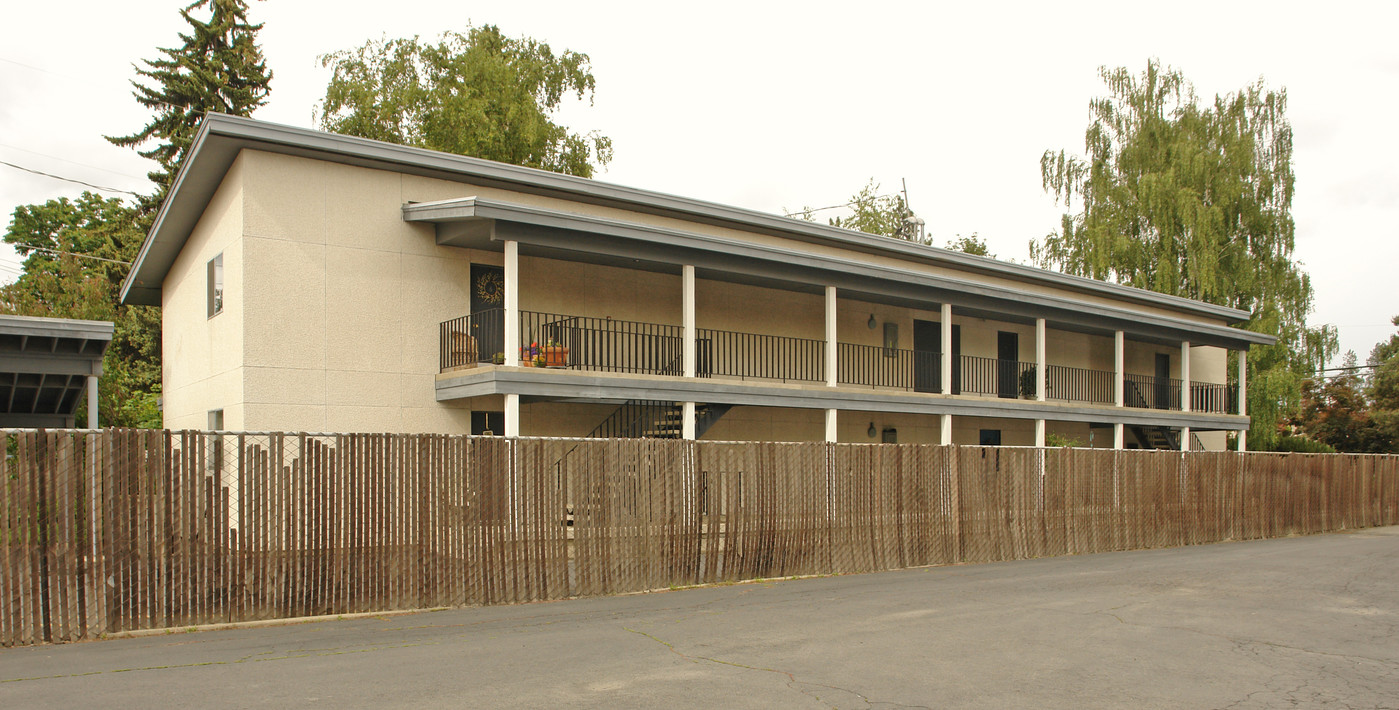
(1271, 623)
(757, 423)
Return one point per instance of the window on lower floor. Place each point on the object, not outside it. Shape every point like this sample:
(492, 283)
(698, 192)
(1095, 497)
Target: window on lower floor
(990, 437)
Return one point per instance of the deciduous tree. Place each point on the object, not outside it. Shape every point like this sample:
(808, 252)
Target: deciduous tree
(76, 257)
(476, 93)
(1193, 198)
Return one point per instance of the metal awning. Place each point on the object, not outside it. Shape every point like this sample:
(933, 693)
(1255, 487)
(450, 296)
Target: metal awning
(45, 364)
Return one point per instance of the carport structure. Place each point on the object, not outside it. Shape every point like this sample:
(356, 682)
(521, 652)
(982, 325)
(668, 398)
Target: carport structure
(45, 364)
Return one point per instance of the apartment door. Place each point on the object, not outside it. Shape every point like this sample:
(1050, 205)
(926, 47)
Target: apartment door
(1162, 394)
(1007, 365)
(927, 366)
(487, 309)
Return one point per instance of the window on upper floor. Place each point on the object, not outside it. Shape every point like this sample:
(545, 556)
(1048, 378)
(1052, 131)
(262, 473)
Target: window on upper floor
(215, 283)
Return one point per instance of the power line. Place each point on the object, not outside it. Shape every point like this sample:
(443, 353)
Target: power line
(65, 160)
(56, 252)
(836, 207)
(65, 179)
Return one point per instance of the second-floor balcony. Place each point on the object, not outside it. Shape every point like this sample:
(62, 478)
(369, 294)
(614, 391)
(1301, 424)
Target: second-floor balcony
(591, 343)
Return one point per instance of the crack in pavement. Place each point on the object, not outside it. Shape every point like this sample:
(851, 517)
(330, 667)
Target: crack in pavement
(792, 681)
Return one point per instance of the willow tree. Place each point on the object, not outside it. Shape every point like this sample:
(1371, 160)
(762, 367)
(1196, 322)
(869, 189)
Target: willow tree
(480, 94)
(1193, 199)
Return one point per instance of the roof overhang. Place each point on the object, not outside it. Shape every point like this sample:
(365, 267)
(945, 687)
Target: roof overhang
(221, 137)
(481, 224)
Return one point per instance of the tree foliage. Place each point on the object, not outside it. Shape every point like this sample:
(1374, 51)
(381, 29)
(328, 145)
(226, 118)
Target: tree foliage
(480, 94)
(973, 245)
(1383, 389)
(218, 68)
(874, 213)
(1193, 199)
(76, 255)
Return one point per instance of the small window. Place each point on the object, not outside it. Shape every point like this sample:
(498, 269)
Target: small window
(990, 437)
(216, 420)
(215, 286)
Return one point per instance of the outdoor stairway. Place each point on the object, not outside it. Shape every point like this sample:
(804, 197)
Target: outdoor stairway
(1156, 437)
(646, 419)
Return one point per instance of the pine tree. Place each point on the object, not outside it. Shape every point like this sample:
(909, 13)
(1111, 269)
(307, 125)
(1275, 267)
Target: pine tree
(219, 68)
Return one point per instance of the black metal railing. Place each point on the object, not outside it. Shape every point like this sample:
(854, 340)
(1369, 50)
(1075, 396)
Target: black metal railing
(601, 344)
(1148, 392)
(468, 340)
(723, 353)
(997, 378)
(1076, 384)
(877, 366)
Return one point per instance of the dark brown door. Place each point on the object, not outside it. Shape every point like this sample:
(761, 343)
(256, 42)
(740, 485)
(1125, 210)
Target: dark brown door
(1008, 357)
(927, 360)
(488, 309)
(1163, 381)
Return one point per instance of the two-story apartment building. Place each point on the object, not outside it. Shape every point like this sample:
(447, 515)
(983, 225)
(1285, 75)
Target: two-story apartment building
(316, 282)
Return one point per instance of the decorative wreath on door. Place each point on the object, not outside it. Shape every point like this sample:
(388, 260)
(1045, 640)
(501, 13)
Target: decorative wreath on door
(490, 287)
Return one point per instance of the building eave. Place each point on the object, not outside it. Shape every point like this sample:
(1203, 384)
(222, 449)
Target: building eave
(220, 138)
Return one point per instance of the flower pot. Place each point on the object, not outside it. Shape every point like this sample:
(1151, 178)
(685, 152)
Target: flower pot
(554, 355)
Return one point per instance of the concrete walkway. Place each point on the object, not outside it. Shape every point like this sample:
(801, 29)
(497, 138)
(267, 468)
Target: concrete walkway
(1307, 621)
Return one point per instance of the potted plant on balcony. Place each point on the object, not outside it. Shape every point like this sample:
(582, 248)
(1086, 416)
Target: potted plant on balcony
(554, 355)
(498, 359)
(1027, 383)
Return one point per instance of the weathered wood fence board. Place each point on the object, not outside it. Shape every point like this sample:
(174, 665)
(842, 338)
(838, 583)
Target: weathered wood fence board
(125, 529)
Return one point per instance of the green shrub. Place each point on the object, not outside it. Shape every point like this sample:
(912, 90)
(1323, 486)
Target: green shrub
(1301, 445)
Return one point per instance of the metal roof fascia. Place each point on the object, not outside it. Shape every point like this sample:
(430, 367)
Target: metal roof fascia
(221, 125)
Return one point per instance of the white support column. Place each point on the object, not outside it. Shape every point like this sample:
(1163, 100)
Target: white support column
(512, 312)
(688, 425)
(92, 401)
(1039, 432)
(1185, 438)
(688, 298)
(1185, 376)
(688, 429)
(1243, 396)
(946, 434)
(831, 425)
(1119, 359)
(832, 354)
(1040, 368)
(1119, 439)
(512, 415)
(947, 365)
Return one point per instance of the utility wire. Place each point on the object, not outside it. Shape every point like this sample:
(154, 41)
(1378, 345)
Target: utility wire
(70, 162)
(66, 179)
(56, 252)
(836, 207)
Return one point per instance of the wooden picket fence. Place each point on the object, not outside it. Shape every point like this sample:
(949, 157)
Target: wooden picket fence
(121, 530)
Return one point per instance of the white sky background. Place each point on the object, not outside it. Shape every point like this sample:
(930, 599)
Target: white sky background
(776, 108)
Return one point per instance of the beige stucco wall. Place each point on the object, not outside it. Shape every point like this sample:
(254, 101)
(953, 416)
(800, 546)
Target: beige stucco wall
(202, 357)
(343, 302)
(332, 306)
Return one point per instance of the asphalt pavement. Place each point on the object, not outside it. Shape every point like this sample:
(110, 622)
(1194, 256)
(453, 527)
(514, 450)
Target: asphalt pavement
(1296, 622)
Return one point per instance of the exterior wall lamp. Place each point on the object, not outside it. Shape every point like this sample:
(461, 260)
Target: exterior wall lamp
(872, 323)
(871, 432)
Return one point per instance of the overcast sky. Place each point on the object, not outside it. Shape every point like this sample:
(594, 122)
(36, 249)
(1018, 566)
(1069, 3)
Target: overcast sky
(779, 107)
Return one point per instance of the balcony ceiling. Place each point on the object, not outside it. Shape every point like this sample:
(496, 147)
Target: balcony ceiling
(486, 224)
